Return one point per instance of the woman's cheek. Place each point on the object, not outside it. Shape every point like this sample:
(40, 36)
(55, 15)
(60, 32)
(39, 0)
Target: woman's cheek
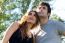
(32, 20)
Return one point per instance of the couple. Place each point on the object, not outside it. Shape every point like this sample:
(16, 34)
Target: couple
(35, 27)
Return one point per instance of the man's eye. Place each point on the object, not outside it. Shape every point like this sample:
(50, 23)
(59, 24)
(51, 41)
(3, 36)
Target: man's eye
(44, 8)
(39, 7)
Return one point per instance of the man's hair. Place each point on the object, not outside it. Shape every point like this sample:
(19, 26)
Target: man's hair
(46, 4)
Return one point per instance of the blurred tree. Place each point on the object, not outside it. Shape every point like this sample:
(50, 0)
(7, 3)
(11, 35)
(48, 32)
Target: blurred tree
(9, 12)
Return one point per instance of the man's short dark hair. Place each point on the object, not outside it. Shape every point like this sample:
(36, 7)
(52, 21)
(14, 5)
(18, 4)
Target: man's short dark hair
(46, 4)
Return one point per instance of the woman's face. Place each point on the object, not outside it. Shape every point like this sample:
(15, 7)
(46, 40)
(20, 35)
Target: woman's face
(31, 17)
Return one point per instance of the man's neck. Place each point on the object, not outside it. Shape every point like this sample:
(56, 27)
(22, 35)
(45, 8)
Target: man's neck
(43, 21)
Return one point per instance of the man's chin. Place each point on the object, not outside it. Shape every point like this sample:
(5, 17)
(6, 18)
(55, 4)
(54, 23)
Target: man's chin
(42, 16)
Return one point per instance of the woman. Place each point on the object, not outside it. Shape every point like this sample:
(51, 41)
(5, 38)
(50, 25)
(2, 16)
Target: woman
(20, 32)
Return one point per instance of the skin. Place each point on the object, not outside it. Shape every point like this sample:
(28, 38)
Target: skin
(31, 18)
(43, 13)
(10, 30)
(14, 26)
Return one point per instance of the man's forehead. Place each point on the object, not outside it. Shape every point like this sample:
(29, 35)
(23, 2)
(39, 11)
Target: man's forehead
(42, 6)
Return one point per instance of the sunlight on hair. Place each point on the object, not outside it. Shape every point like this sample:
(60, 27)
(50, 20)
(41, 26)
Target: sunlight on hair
(24, 18)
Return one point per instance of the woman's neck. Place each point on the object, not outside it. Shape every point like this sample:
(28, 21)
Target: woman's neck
(28, 29)
(29, 25)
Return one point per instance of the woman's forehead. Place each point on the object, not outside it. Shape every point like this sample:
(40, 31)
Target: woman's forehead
(32, 12)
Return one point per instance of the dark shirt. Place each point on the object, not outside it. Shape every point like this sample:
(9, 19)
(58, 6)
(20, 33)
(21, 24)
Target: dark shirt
(16, 38)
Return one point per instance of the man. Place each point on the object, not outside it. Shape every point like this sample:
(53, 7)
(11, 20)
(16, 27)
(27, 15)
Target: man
(52, 28)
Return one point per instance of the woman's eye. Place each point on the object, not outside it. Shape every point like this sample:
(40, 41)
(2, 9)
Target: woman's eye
(30, 13)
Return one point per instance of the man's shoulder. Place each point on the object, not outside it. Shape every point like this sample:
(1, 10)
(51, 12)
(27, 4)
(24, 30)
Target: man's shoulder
(55, 22)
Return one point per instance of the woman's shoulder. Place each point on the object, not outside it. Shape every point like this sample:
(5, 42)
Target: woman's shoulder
(15, 23)
(13, 26)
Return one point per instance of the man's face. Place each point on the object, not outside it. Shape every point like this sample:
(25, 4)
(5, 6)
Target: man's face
(42, 11)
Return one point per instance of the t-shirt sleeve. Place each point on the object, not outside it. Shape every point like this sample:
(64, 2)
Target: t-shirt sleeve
(61, 26)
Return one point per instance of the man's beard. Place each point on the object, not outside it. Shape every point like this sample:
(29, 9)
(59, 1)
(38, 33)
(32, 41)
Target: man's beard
(42, 16)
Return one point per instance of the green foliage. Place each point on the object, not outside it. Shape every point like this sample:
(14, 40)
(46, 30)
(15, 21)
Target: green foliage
(2, 27)
(9, 5)
(1, 35)
(4, 17)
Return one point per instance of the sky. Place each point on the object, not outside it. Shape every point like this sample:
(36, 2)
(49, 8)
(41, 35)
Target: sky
(59, 8)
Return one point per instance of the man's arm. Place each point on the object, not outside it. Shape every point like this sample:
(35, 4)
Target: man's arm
(61, 27)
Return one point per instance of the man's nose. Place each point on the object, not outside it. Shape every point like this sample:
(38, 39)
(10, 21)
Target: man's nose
(41, 9)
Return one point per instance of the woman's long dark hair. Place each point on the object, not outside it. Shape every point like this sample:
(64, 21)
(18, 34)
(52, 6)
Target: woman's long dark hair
(23, 24)
(37, 19)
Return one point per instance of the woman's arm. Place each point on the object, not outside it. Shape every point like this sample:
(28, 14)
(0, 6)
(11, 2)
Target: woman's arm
(10, 30)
